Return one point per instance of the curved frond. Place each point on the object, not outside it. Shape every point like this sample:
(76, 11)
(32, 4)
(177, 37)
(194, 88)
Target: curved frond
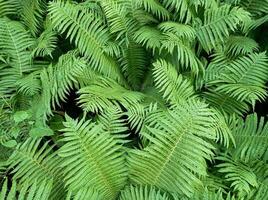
(46, 43)
(92, 158)
(106, 94)
(245, 77)
(33, 163)
(59, 80)
(8, 7)
(143, 193)
(84, 193)
(15, 43)
(240, 45)
(241, 176)
(225, 103)
(217, 24)
(174, 87)
(187, 139)
(251, 138)
(32, 13)
(88, 33)
(154, 7)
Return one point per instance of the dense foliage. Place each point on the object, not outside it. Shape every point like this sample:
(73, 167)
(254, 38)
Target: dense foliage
(133, 99)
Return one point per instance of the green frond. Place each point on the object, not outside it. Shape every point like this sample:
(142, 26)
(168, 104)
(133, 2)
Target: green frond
(32, 13)
(181, 30)
(209, 195)
(15, 42)
(8, 195)
(187, 139)
(244, 78)
(181, 50)
(84, 193)
(138, 113)
(223, 132)
(174, 87)
(225, 103)
(154, 7)
(255, 23)
(92, 158)
(106, 94)
(251, 139)
(8, 7)
(241, 177)
(113, 122)
(173, 38)
(134, 62)
(143, 193)
(119, 20)
(217, 24)
(240, 45)
(149, 37)
(58, 80)
(27, 192)
(45, 44)
(255, 7)
(30, 85)
(87, 33)
(33, 163)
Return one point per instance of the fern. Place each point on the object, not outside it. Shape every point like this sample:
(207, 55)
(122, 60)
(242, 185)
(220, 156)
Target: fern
(90, 35)
(217, 23)
(133, 99)
(85, 142)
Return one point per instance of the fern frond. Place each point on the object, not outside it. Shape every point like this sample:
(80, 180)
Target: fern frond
(15, 43)
(84, 193)
(8, 195)
(181, 30)
(256, 7)
(241, 176)
(138, 113)
(225, 103)
(149, 37)
(173, 86)
(92, 158)
(154, 7)
(45, 44)
(218, 22)
(88, 34)
(134, 63)
(158, 163)
(244, 78)
(142, 193)
(59, 80)
(30, 85)
(106, 94)
(119, 20)
(113, 122)
(240, 45)
(27, 192)
(33, 163)
(32, 13)
(251, 139)
(180, 48)
(8, 7)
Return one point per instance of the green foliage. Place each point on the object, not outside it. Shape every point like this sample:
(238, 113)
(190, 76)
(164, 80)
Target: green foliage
(133, 99)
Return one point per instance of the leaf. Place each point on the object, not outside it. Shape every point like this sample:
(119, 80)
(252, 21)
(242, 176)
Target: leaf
(21, 116)
(10, 143)
(41, 132)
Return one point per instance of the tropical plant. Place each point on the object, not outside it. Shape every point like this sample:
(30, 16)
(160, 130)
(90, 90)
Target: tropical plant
(133, 99)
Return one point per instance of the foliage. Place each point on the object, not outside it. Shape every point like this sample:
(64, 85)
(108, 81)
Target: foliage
(133, 99)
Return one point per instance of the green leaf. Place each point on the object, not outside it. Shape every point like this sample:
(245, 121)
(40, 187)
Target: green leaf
(21, 116)
(10, 143)
(41, 132)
